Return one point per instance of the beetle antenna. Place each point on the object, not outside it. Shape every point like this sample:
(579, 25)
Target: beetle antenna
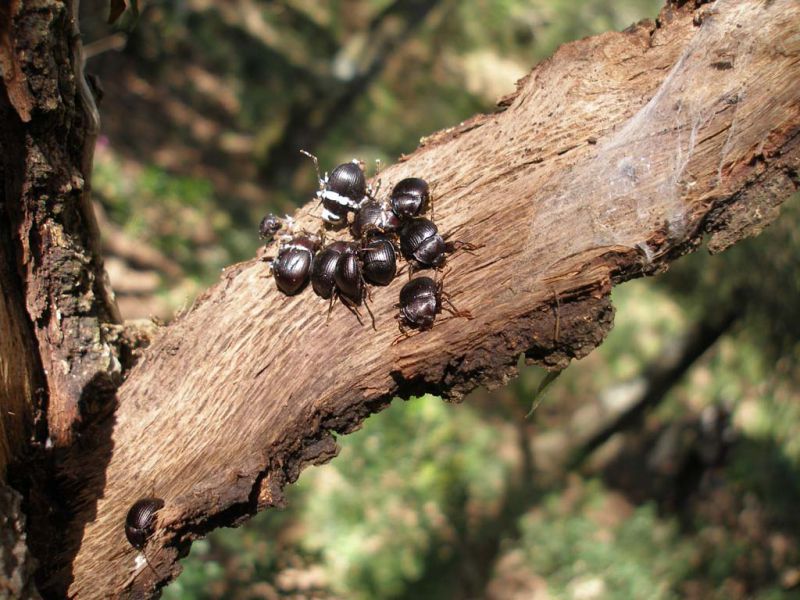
(316, 165)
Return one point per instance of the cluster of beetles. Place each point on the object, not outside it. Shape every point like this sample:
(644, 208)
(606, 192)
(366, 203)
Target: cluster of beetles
(344, 270)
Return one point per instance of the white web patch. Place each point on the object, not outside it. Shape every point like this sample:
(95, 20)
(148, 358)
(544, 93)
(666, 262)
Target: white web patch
(645, 169)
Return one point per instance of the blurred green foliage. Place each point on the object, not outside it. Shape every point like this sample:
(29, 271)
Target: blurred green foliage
(175, 214)
(431, 500)
(578, 539)
(373, 547)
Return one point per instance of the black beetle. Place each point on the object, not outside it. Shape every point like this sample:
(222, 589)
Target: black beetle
(272, 224)
(374, 218)
(351, 287)
(292, 266)
(323, 269)
(379, 260)
(422, 245)
(420, 301)
(269, 226)
(348, 276)
(140, 522)
(410, 197)
(344, 190)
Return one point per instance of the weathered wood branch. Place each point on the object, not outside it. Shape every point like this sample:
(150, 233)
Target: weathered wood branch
(614, 157)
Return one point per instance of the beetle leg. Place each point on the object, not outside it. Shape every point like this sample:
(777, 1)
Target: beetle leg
(351, 307)
(451, 308)
(147, 562)
(367, 293)
(330, 307)
(269, 260)
(366, 305)
(463, 314)
(404, 334)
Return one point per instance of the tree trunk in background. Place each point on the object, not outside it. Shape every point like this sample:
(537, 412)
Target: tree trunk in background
(613, 158)
(59, 363)
(332, 99)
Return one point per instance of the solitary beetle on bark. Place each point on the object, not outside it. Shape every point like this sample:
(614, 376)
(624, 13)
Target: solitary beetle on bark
(140, 521)
(421, 299)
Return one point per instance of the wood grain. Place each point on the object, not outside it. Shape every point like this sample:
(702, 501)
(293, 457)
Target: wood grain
(612, 158)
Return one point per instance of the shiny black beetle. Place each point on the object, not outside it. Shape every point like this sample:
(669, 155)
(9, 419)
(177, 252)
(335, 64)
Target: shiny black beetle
(348, 276)
(323, 269)
(344, 190)
(379, 260)
(423, 247)
(374, 218)
(421, 299)
(421, 243)
(410, 198)
(292, 267)
(140, 522)
(351, 287)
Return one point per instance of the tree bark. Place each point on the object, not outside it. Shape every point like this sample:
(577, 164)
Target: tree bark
(59, 359)
(613, 158)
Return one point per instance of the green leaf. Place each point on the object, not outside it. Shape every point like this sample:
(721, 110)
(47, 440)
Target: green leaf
(549, 378)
